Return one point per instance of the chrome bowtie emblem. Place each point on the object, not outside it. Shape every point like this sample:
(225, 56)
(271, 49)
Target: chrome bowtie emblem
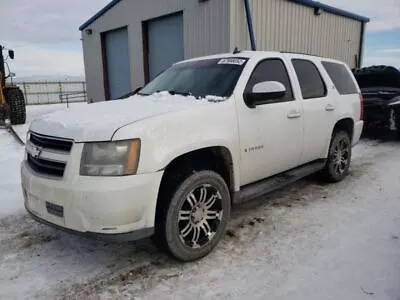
(34, 151)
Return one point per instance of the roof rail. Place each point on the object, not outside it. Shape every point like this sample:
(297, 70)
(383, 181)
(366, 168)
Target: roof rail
(292, 52)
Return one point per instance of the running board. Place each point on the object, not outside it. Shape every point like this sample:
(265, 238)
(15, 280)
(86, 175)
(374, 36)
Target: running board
(266, 186)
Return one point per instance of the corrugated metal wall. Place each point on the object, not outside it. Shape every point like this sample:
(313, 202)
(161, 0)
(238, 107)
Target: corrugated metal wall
(281, 25)
(206, 31)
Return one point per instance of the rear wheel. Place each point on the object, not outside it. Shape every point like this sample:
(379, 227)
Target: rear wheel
(398, 123)
(339, 157)
(394, 122)
(196, 217)
(16, 102)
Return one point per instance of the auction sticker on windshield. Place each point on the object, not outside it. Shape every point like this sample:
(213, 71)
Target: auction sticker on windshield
(232, 61)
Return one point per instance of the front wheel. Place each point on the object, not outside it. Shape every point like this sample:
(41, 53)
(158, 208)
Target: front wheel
(339, 157)
(197, 216)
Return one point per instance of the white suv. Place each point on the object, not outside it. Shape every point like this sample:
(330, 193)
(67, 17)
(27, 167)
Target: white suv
(207, 133)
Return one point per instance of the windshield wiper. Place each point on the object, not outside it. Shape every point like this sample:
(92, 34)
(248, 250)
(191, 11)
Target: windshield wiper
(172, 92)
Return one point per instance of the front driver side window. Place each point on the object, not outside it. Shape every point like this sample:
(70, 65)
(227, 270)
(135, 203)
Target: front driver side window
(271, 70)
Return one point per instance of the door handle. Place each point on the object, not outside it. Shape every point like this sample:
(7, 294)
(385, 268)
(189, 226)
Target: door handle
(330, 107)
(293, 115)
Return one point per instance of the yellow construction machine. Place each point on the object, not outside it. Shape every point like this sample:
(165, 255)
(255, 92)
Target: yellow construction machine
(12, 102)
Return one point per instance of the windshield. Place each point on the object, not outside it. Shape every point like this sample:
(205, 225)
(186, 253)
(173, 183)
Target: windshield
(209, 77)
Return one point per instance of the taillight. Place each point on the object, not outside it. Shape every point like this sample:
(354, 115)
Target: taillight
(361, 107)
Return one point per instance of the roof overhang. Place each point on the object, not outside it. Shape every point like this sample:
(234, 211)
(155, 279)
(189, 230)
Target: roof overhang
(99, 14)
(331, 9)
(309, 3)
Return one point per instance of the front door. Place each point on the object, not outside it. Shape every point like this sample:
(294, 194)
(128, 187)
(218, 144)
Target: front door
(271, 133)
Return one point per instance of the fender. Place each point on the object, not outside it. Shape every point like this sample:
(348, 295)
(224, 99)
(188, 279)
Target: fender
(168, 136)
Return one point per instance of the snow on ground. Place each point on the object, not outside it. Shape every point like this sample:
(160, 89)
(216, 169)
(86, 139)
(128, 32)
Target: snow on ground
(307, 241)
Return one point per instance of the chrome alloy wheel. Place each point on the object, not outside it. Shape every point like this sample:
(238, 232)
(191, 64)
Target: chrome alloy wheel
(341, 156)
(200, 216)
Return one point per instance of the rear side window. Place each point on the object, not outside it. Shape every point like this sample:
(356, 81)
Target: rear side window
(311, 83)
(271, 70)
(340, 77)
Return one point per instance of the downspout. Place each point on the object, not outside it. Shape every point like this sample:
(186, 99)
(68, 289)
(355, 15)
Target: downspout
(2, 78)
(360, 53)
(250, 25)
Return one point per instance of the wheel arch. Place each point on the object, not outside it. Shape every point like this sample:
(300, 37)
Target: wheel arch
(346, 124)
(214, 158)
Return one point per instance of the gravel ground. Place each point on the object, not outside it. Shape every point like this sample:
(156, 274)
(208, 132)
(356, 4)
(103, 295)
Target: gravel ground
(307, 241)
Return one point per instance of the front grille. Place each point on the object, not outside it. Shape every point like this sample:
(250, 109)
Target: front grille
(52, 143)
(44, 152)
(46, 166)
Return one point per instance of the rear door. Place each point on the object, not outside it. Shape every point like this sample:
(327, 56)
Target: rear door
(318, 108)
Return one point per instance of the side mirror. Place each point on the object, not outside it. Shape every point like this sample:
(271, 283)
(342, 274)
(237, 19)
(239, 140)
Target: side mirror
(264, 91)
(11, 54)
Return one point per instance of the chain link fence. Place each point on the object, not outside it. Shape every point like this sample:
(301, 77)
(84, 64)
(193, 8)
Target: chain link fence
(53, 92)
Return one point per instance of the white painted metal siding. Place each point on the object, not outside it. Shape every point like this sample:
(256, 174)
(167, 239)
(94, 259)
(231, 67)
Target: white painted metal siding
(281, 25)
(206, 31)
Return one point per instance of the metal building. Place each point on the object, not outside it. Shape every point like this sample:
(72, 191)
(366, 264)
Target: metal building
(129, 42)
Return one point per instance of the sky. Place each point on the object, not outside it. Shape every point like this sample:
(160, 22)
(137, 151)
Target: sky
(46, 39)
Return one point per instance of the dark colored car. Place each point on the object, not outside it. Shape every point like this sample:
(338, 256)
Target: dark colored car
(380, 87)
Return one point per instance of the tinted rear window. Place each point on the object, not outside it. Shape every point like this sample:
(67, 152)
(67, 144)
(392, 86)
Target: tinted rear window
(311, 83)
(341, 78)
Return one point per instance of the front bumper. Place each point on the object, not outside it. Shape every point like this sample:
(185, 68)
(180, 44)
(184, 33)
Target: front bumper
(117, 208)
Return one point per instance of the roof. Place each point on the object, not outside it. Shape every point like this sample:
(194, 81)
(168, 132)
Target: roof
(259, 55)
(99, 14)
(309, 3)
(331, 9)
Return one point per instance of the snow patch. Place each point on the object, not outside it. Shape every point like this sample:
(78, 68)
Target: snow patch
(161, 94)
(212, 98)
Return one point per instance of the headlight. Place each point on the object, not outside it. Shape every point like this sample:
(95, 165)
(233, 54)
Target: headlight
(110, 158)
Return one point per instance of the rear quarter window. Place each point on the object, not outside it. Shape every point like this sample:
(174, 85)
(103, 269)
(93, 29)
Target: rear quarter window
(340, 77)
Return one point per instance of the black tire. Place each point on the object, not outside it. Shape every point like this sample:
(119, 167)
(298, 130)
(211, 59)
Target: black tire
(339, 157)
(16, 102)
(182, 223)
(398, 123)
(394, 123)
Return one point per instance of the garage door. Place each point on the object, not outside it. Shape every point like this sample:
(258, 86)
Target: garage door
(117, 67)
(165, 38)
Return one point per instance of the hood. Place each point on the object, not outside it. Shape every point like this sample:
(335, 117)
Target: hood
(99, 121)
